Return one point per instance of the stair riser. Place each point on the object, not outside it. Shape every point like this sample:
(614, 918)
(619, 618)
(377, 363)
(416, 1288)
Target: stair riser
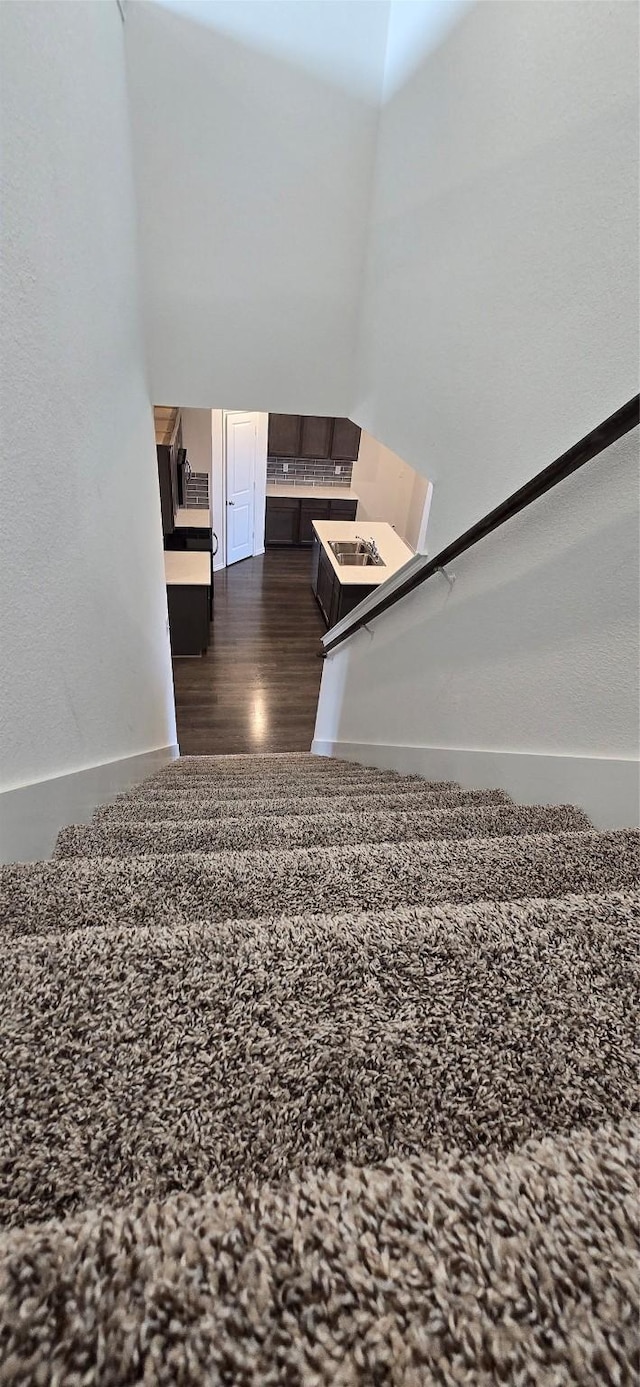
(218, 886)
(239, 834)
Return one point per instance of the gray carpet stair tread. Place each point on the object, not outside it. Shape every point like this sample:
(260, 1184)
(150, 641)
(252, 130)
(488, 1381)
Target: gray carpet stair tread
(65, 893)
(354, 773)
(252, 758)
(141, 808)
(204, 791)
(319, 1073)
(258, 768)
(312, 830)
(142, 1060)
(478, 1270)
(304, 784)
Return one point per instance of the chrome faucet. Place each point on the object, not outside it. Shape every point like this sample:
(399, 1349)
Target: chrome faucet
(371, 548)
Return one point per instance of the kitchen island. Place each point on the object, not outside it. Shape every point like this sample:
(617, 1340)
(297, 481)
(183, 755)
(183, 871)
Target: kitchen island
(192, 532)
(188, 579)
(339, 585)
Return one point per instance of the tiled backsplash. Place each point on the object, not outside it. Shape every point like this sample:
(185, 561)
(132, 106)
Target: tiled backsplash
(315, 472)
(197, 491)
(308, 472)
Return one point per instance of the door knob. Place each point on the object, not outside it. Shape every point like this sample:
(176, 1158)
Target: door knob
(231, 503)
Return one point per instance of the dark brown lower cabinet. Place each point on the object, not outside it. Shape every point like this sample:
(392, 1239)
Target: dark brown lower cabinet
(334, 598)
(189, 615)
(193, 538)
(289, 519)
(282, 525)
(310, 511)
(325, 584)
(343, 510)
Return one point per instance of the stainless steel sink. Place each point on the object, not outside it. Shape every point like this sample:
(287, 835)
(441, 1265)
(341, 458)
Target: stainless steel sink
(363, 560)
(354, 553)
(347, 546)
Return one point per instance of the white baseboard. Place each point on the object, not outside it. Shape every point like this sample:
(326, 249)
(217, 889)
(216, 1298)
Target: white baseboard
(32, 816)
(607, 788)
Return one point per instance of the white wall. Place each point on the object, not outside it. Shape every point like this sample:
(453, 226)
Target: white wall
(524, 673)
(500, 308)
(254, 131)
(388, 489)
(85, 673)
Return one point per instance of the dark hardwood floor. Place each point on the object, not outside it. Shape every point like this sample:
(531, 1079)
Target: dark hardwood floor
(256, 689)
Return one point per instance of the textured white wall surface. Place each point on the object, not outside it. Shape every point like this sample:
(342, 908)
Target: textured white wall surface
(500, 309)
(85, 672)
(534, 649)
(388, 489)
(254, 174)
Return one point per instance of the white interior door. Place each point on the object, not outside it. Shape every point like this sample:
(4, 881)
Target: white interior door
(241, 467)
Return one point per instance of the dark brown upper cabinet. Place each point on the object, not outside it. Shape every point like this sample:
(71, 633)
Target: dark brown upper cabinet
(346, 440)
(316, 436)
(284, 435)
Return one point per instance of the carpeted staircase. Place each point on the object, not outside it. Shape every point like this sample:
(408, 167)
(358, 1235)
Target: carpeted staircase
(321, 1076)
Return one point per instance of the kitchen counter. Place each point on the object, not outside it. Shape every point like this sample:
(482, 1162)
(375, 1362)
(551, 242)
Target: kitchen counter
(313, 493)
(392, 550)
(187, 574)
(192, 518)
(187, 568)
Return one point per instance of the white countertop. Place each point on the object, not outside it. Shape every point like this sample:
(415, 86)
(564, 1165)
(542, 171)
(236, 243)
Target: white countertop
(314, 493)
(187, 568)
(190, 517)
(392, 549)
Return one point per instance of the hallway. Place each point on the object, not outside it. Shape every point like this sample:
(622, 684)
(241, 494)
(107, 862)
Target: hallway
(256, 689)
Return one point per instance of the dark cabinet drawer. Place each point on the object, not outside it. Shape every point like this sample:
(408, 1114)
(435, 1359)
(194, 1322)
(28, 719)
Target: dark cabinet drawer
(343, 510)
